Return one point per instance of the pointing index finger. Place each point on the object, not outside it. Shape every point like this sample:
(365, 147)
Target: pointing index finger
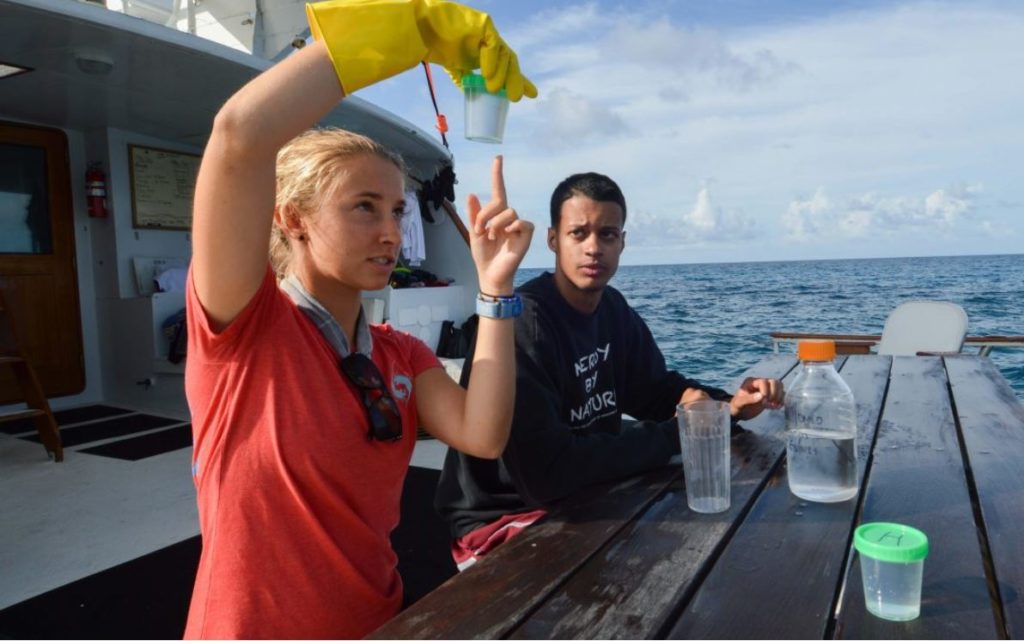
(497, 181)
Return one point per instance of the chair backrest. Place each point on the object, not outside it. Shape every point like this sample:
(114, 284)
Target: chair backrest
(924, 326)
(8, 341)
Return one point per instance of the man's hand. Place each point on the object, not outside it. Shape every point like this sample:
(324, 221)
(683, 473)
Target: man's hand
(692, 394)
(755, 395)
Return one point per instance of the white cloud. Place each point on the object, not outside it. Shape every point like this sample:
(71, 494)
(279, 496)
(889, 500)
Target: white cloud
(950, 205)
(703, 223)
(820, 217)
(566, 119)
(644, 229)
(613, 54)
(707, 222)
(809, 218)
(555, 24)
(670, 48)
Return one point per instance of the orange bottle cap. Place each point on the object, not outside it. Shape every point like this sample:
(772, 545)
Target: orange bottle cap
(816, 350)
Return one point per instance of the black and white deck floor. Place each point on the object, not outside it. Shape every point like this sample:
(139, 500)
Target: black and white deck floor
(105, 544)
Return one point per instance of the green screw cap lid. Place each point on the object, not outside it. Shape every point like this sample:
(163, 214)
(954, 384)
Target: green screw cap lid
(476, 82)
(891, 542)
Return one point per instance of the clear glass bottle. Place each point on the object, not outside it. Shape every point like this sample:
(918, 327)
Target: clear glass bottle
(821, 428)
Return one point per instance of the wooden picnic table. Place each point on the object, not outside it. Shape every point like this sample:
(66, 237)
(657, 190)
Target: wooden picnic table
(940, 447)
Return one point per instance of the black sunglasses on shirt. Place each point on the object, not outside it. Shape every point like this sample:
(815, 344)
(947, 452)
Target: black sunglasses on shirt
(385, 418)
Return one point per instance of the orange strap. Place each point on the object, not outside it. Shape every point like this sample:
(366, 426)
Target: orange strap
(442, 122)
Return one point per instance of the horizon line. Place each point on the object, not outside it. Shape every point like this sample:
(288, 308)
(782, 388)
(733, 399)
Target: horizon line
(793, 260)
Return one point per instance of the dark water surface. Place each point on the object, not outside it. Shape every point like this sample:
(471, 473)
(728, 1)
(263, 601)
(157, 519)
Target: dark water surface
(713, 321)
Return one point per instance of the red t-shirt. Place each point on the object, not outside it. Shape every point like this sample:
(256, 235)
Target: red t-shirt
(296, 504)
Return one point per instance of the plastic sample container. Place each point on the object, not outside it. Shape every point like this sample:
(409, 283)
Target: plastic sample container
(892, 565)
(485, 111)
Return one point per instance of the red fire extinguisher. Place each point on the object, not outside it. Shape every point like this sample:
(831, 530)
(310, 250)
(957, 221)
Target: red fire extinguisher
(96, 191)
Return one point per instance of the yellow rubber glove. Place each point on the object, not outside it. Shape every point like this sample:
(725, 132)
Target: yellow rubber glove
(369, 40)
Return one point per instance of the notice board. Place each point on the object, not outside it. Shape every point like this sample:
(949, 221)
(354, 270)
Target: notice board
(163, 184)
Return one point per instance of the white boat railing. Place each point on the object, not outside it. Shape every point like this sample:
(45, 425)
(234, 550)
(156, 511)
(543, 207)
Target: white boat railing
(867, 343)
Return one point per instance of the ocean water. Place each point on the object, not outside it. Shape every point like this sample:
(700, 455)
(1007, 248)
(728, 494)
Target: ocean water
(712, 321)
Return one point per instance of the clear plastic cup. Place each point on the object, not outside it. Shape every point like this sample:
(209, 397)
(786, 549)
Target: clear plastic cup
(485, 111)
(891, 565)
(704, 438)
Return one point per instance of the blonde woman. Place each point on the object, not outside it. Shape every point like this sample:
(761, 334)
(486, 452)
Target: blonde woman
(303, 415)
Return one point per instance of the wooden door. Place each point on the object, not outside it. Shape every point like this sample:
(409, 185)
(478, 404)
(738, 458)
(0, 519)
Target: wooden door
(37, 258)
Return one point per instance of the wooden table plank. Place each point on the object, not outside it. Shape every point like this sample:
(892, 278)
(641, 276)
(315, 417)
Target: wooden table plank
(992, 426)
(787, 541)
(916, 477)
(492, 597)
(630, 589)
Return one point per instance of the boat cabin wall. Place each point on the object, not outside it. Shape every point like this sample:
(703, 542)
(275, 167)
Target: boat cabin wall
(117, 241)
(126, 257)
(119, 324)
(124, 350)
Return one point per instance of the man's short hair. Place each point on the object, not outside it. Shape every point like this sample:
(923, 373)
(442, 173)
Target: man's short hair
(591, 185)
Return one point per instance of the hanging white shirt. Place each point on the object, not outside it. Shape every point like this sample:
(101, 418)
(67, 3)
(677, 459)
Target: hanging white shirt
(414, 249)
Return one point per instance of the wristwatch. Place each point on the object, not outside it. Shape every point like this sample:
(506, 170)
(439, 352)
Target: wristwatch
(499, 306)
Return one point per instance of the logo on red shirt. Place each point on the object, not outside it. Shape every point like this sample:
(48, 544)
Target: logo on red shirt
(401, 387)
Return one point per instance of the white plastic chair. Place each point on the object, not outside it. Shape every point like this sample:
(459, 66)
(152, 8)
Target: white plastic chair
(924, 326)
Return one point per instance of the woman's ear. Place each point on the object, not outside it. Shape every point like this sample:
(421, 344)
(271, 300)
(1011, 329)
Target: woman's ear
(288, 220)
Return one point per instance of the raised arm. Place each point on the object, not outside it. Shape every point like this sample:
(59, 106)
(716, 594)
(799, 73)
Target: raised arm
(476, 420)
(358, 43)
(234, 200)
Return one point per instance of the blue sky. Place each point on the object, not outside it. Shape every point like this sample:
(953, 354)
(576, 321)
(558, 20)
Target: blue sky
(743, 130)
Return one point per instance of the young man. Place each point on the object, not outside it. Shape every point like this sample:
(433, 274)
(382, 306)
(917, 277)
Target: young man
(583, 358)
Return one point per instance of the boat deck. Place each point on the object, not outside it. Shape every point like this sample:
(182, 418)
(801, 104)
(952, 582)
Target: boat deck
(105, 544)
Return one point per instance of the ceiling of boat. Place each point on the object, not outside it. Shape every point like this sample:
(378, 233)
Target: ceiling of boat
(163, 83)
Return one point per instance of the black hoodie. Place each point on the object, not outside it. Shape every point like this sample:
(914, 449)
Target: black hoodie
(576, 374)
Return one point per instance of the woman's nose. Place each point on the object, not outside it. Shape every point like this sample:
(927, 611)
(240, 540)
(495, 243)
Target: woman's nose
(392, 232)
